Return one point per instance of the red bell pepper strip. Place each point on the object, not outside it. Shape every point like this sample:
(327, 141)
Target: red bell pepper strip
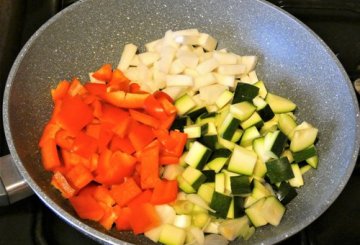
(60, 91)
(149, 166)
(134, 88)
(159, 95)
(96, 89)
(143, 218)
(84, 145)
(104, 73)
(119, 81)
(140, 135)
(143, 197)
(49, 155)
(165, 191)
(114, 167)
(109, 217)
(123, 221)
(165, 160)
(49, 132)
(59, 182)
(154, 108)
(167, 122)
(123, 144)
(87, 207)
(125, 192)
(79, 176)
(102, 194)
(76, 88)
(144, 118)
(64, 139)
(74, 114)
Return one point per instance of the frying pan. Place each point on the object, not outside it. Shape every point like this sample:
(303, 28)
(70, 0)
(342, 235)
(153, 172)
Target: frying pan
(293, 62)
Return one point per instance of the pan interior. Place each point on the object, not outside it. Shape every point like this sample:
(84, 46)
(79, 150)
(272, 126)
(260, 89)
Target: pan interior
(292, 62)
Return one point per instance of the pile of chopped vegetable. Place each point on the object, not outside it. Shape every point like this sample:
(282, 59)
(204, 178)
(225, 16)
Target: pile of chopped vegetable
(182, 143)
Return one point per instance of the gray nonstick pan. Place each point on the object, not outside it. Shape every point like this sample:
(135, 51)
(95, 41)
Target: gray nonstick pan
(293, 62)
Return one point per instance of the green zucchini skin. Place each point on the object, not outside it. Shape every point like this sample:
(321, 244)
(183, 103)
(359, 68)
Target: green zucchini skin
(279, 170)
(285, 193)
(244, 92)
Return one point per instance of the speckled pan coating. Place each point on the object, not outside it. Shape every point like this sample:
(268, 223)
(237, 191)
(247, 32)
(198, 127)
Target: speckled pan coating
(293, 61)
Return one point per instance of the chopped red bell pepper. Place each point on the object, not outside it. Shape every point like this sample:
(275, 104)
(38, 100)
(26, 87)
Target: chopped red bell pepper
(102, 194)
(79, 176)
(59, 181)
(140, 135)
(49, 155)
(143, 197)
(143, 217)
(96, 89)
(74, 114)
(125, 192)
(49, 132)
(60, 91)
(165, 191)
(64, 139)
(123, 221)
(87, 207)
(149, 168)
(104, 73)
(84, 145)
(144, 118)
(109, 217)
(123, 144)
(154, 108)
(76, 88)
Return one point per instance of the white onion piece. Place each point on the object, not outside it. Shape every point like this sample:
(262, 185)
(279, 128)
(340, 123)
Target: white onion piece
(175, 92)
(177, 67)
(191, 72)
(133, 74)
(151, 46)
(226, 80)
(205, 56)
(207, 42)
(249, 62)
(148, 58)
(190, 60)
(210, 93)
(231, 69)
(253, 77)
(225, 58)
(126, 56)
(167, 55)
(187, 39)
(199, 51)
(207, 66)
(197, 200)
(204, 80)
(169, 40)
(179, 80)
(166, 213)
(245, 79)
(186, 32)
(214, 239)
(182, 221)
(135, 61)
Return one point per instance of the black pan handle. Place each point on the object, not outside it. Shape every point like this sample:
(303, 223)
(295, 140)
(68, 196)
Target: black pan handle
(13, 187)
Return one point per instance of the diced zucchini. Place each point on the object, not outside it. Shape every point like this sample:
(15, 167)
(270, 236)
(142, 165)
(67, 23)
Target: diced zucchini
(217, 163)
(244, 92)
(228, 127)
(172, 171)
(262, 89)
(279, 104)
(184, 185)
(260, 168)
(220, 182)
(249, 135)
(305, 154)
(240, 185)
(228, 175)
(224, 99)
(275, 142)
(220, 203)
(223, 143)
(285, 193)
(206, 191)
(231, 229)
(242, 161)
(196, 112)
(193, 131)
(253, 120)
(211, 129)
(194, 177)
(273, 210)
(238, 206)
(255, 214)
(270, 126)
(209, 141)
(172, 235)
(266, 113)
(154, 234)
(209, 174)
(287, 124)
(237, 135)
(242, 110)
(287, 153)
(297, 181)
(198, 155)
(183, 206)
(212, 227)
(313, 161)
(259, 190)
(304, 169)
(231, 213)
(279, 170)
(179, 123)
(200, 219)
(184, 104)
(303, 138)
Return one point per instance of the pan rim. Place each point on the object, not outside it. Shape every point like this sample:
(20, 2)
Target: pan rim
(103, 237)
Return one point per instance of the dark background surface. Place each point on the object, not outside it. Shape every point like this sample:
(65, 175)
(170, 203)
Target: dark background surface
(336, 22)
